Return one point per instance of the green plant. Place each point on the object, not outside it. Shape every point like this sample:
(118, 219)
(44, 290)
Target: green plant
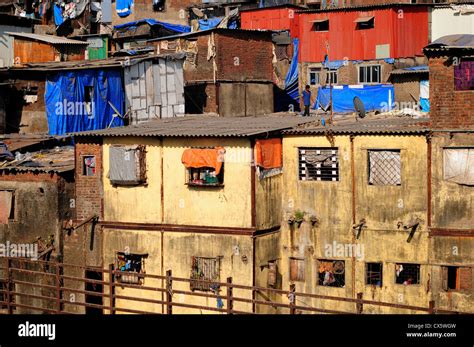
(299, 216)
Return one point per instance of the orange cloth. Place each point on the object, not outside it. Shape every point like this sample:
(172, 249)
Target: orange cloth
(207, 157)
(268, 153)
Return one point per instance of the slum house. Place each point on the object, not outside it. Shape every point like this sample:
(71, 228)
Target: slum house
(226, 71)
(451, 185)
(99, 45)
(180, 160)
(58, 98)
(36, 199)
(223, 14)
(36, 48)
(333, 242)
(11, 23)
(374, 44)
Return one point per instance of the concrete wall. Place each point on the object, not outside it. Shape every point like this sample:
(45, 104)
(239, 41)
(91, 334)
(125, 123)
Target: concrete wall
(446, 21)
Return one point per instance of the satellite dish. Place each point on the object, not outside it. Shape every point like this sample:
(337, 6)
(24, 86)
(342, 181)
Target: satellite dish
(359, 106)
(197, 12)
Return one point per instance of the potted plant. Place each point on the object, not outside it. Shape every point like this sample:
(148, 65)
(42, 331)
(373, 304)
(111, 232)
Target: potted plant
(299, 217)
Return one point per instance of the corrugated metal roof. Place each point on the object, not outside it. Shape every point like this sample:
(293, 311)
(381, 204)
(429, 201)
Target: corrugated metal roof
(60, 159)
(411, 70)
(452, 41)
(393, 125)
(54, 40)
(363, 7)
(206, 126)
(276, 7)
(213, 30)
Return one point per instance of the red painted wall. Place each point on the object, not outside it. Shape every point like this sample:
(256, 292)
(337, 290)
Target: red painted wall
(269, 19)
(404, 28)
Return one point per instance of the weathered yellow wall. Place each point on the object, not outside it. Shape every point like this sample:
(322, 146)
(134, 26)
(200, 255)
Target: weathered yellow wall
(381, 206)
(178, 250)
(229, 206)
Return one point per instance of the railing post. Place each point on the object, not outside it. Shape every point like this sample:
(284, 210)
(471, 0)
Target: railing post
(111, 289)
(169, 293)
(9, 286)
(432, 307)
(360, 305)
(230, 302)
(292, 298)
(58, 288)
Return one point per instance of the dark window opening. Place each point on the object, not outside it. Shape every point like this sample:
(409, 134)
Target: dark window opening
(331, 77)
(365, 23)
(133, 265)
(456, 278)
(297, 270)
(4, 295)
(95, 297)
(321, 25)
(205, 177)
(202, 270)
(407, 274)
(374, 274)
(88, 165)
(318, 164)
(314, 76)
(158, 5)
(370, 74)
(332, 273)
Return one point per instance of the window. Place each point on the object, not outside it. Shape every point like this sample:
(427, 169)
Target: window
(364, 23)
(320, 25)
(88, 165)
(464, 75)
(296, 269)
(373, 273)
(205, 166)
(384, 167)
(407, 274)
(318, 164)
(331, 77)
(127, 165)
(459, 165)
(456, 278)
(370, 74)
(332, 273)
(4, 295)
(7, 206)
(314, 76)
(158, 5)
(133, 264)
(204, 269)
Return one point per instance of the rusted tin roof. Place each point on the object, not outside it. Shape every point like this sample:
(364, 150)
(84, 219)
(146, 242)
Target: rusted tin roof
(452, 41)
(377, 125)
(57, 160)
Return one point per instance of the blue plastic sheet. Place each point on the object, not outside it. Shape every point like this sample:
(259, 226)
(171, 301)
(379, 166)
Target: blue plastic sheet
(173, 27)
(124, 7)
(58, 15)
(211, 23)
(65, 100)
(291, 81)
(377, 97)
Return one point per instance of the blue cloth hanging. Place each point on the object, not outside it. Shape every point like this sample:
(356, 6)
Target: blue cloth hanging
(124, 7)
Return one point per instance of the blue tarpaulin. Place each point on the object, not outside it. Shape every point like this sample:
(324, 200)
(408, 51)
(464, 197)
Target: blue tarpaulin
(58, 15)
(173, 27)
(374, 97)
(291, 81)
(69, 108)
(211, 23)
(124, 7)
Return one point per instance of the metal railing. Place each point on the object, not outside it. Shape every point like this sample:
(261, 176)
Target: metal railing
(53, 280)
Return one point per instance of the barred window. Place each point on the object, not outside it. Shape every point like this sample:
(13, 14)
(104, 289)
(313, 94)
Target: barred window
(204, 269)
(407, 274)
(318, 164)
(373, 274)
(133, 265)
(332, 273)
(384, 167)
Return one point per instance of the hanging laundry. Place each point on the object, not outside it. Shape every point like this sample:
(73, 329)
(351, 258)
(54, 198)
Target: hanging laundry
(124, 7)
(58, 15)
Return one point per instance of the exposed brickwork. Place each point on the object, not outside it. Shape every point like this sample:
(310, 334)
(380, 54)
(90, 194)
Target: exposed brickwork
(449, 109)
(465, 278)
(89, 189)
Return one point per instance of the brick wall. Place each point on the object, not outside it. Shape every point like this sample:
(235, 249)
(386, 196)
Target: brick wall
(89, 190)
(449, 109)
